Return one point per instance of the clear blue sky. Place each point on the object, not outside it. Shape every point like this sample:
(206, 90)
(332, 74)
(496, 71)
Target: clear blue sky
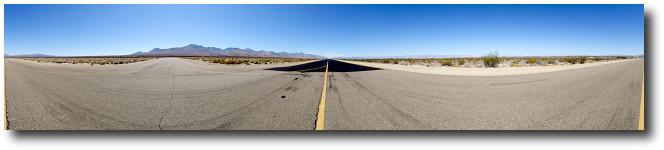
(331, 30)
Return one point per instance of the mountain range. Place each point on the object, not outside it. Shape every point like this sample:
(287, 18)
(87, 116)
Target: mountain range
(29, 55)
(199, 50)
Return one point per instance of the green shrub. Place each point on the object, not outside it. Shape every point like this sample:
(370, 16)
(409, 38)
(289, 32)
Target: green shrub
(582, 59)
(446, 63)
(595, 59)
(532, 61)
(569, 60)
(576, 60)
(492, 59)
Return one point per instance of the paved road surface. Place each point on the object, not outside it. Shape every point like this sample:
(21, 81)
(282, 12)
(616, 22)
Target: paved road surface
(165, 94)
(604, 97)
(172, 93)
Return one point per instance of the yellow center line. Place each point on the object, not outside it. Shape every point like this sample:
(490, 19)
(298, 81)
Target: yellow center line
(641, 114)
(320, 121)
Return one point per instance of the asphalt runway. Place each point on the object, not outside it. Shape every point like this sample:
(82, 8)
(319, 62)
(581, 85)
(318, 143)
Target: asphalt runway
(175, 94)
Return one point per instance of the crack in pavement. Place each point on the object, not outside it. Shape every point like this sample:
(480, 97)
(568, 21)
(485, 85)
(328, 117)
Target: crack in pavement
(170, 98)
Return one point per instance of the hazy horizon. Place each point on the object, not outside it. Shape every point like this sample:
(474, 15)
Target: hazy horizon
(395, 56)
(328, 30)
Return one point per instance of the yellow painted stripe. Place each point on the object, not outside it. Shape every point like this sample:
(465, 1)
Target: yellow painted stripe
(320, 121)
(641, 114)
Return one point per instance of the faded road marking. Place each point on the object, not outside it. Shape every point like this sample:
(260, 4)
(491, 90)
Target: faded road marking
(320, 118)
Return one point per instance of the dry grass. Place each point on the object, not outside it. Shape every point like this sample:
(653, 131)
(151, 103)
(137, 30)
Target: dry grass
(247, 60)
(127, 60)
(90, 60)
(496, 61)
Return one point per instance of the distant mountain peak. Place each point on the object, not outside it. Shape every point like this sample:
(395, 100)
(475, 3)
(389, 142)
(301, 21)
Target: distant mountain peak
(29, 55)
(194, 46)
(200, 50)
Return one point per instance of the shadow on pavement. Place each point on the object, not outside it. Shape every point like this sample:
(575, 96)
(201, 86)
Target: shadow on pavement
(319, 66)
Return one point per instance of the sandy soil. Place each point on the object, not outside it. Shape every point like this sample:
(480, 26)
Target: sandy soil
(461, 71)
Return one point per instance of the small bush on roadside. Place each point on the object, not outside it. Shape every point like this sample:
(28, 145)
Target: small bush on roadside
(531, 61)
(596, 59)
(461, 62)
(569, 60)
(576, 60)
(582, 59)
(492, 59)
(446, 63)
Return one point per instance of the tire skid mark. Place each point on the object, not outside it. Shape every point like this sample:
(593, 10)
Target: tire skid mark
(567, 110)
(398, 111)
(229, 89)
(419, 82)
(237, 115)
(137, 93)
(336, 92)
(516, 83)
(428, 99)
(240, 109)
(96, 117)
(244, 109)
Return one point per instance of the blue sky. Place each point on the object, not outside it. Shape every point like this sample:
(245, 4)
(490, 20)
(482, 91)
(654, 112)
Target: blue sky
(330, 30)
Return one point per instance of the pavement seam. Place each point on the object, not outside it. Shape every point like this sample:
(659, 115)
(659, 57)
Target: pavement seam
(320, 117)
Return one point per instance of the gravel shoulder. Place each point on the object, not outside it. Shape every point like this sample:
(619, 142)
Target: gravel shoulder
(462, 71)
